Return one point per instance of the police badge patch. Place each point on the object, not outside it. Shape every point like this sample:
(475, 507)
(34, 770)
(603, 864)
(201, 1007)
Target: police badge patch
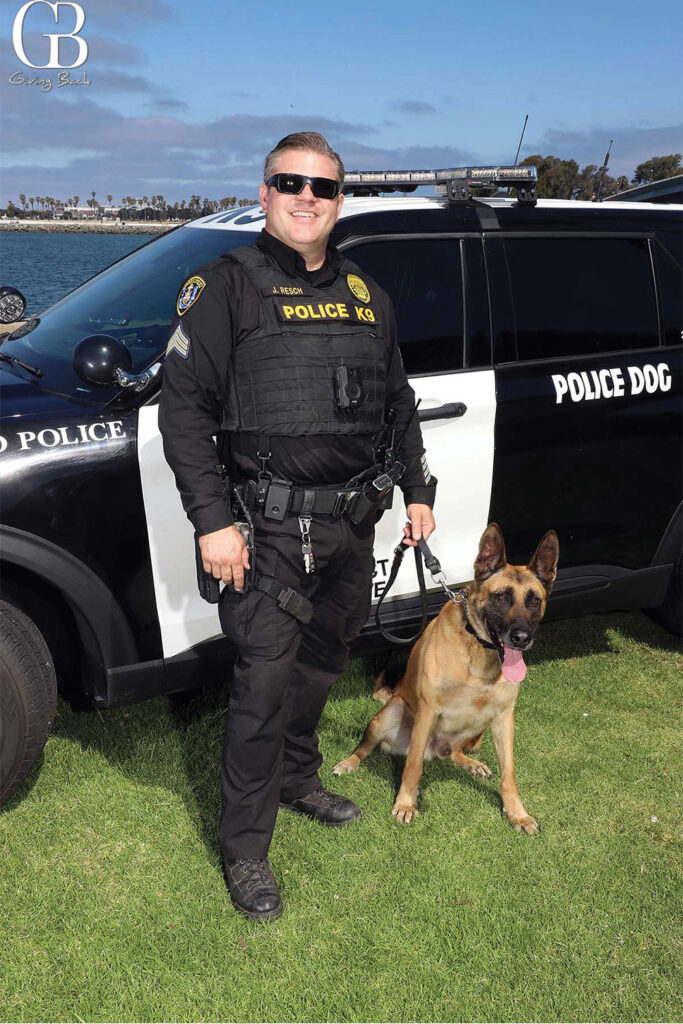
(178, 341)
(189, 294)
(358, 287)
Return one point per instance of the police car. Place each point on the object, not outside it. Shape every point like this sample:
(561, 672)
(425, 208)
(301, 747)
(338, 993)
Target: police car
(543, 339)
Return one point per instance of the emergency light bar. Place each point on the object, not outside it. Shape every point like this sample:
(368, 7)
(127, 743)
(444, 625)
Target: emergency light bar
(454, 182)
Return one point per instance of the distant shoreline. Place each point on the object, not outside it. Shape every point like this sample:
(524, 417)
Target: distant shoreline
(89, 227)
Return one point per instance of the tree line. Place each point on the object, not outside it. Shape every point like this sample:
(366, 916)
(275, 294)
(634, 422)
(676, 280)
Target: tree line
(148, 208)
(562, 179)
(557, 179)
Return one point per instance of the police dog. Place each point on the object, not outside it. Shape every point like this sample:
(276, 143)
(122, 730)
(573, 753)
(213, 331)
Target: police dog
(463, 677)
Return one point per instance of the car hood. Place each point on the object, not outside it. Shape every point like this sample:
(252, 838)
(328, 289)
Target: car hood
(23, 398)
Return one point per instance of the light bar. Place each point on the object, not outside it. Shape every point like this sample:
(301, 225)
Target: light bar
(500, 176)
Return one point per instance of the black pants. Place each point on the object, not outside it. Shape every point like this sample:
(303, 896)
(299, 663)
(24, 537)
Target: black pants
(284, 671)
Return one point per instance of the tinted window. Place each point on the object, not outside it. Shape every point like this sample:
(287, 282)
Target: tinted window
(424, 279)
(670, 278)
(578, 296)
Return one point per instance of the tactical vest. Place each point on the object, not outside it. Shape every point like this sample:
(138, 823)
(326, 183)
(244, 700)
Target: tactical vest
(282, 376)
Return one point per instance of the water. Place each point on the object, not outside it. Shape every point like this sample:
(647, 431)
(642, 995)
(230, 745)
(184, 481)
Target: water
(44, 267)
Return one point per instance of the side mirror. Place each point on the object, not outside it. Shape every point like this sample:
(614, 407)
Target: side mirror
(104, 360)
(97, 357)
(12, 305)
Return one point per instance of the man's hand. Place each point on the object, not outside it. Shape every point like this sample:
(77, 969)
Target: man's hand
(420, 524)
(225, 555)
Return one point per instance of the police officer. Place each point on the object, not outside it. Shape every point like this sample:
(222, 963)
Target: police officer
(286, 352)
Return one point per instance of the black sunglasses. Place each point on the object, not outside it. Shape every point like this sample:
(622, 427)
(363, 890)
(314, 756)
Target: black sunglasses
(294, 184)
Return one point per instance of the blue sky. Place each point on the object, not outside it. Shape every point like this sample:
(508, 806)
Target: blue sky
(188, 97)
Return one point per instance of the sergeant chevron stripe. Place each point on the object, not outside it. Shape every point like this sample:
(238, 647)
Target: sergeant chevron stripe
(178, 341)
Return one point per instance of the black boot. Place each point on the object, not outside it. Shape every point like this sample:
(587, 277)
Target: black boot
(328, 808)
(253, 888)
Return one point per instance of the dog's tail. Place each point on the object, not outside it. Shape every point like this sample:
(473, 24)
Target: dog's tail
(381, 692)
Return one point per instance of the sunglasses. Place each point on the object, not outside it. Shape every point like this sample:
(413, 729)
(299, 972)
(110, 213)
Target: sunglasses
(294, 184)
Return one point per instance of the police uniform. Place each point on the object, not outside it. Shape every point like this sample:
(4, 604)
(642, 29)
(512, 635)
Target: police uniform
(259, 351)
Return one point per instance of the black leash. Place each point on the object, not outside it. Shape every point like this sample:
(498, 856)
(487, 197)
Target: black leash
(457, 596)
(432, 562)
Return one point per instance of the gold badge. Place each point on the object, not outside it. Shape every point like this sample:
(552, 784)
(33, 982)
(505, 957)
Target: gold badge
(358, 287)
(189, 294)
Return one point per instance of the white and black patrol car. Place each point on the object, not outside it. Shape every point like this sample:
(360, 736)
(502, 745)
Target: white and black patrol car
(543, 339)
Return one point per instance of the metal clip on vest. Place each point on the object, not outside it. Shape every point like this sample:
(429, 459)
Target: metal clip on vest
(264, 476)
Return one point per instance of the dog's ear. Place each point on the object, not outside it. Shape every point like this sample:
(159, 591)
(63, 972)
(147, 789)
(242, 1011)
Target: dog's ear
(544, 561)
(491, 555)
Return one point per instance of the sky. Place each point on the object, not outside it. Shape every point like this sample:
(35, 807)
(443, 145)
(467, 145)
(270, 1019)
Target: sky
(188, 98)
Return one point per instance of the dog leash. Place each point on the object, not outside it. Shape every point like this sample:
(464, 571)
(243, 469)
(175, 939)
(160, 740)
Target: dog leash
(422, 551)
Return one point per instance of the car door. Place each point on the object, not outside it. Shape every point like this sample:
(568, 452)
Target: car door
(588, 425)
(437, 284)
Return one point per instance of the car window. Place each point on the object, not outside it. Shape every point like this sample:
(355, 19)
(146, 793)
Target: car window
(133, 300)
(580, 296)
(670, 280)
(423, 277)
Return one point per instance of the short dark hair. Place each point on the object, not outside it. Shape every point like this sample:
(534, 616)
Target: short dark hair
(312, 141)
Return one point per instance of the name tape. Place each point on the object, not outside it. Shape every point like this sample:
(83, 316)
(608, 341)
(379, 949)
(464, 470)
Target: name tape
(286, 289)
(309, 312)
(609, 382)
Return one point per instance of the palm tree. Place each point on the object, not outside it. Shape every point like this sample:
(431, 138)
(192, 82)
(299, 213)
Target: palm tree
(32, 201)
(109, 198)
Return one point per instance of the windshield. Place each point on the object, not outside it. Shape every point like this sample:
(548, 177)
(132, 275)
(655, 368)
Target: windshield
(133, 300)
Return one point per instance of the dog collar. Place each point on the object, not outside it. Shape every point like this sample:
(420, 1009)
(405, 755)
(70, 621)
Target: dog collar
(484, 643)
(464, 594)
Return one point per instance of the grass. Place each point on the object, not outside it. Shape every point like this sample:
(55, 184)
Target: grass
(113, 905)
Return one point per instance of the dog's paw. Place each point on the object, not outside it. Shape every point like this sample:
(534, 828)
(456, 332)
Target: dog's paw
(346, 766)
(404, 811)
(523, 823)
(478, 769)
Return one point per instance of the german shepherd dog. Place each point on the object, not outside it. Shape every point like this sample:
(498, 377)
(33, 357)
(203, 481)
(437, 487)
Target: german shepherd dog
(463, 677)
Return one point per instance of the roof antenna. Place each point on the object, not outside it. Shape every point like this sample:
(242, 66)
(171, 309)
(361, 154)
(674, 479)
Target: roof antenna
(520, 140)
(603, 170)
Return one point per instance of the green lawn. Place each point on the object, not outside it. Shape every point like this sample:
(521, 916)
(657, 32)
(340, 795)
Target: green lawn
(113, 905)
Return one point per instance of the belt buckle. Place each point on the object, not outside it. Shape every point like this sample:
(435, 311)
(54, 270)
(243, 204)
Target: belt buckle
(343, 502)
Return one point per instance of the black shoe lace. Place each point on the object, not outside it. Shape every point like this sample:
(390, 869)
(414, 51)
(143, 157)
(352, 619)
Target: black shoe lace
(255, 874)
(331, 799)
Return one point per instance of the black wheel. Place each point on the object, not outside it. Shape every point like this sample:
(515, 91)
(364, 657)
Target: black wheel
(670, 612)
(28, 697)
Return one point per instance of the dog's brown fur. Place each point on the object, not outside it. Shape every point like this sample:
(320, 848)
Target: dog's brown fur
(453, 689)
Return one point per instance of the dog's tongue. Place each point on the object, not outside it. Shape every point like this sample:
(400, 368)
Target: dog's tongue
(513, 667)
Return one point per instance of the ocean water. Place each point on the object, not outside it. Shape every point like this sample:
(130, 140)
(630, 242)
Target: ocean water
(45, 267)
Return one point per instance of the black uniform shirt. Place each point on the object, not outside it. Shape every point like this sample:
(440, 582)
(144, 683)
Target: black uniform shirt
(195, 390)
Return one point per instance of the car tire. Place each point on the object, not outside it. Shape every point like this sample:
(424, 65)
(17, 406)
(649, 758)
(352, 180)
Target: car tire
(28, 697)
(670, 612)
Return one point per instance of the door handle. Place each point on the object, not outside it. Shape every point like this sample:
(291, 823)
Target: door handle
(443, 412)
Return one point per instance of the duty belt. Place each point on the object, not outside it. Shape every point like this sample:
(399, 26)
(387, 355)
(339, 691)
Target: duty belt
(277, 498)
(281, 498)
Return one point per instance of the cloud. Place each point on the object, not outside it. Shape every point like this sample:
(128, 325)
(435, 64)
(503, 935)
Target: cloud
(111, 51)
(128, 11)
(167, 104)
(632, 145)
(414, 107)
(121, 81)
(158, 152)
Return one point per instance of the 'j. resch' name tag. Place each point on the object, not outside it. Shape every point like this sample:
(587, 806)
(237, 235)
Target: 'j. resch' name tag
(309, 312)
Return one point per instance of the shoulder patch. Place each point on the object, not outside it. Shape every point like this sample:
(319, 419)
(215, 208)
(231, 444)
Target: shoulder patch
(189, 294)
(358, 287)
(178, 341)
